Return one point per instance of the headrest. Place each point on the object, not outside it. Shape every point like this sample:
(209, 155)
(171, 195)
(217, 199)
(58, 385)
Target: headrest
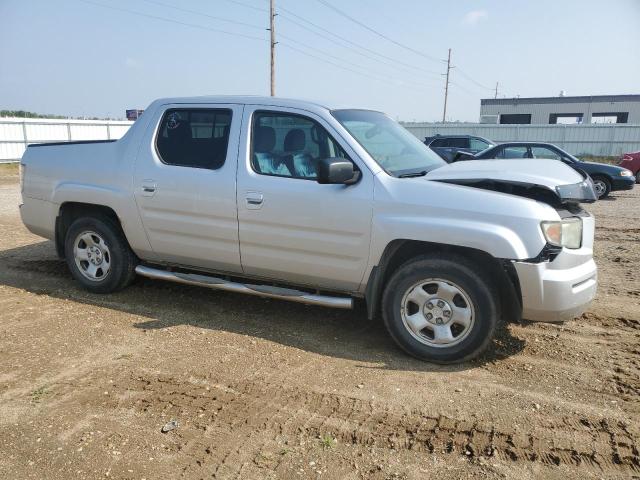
(264, 139)
(295, 140)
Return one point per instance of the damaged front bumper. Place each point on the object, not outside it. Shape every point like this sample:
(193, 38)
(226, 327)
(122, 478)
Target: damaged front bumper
(560, 289)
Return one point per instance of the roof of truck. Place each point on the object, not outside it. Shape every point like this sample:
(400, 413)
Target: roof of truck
(246, 100)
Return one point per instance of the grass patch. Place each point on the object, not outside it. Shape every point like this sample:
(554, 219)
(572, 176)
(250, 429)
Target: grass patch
(327, 441)
(9, 168)
(38, 394)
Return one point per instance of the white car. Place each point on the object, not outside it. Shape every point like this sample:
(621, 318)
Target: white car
(295, 200)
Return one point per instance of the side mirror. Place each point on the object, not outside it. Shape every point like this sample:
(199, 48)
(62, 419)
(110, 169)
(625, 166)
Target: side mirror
(334, 170)
(461, 156)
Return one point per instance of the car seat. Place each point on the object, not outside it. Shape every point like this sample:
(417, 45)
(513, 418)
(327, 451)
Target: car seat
(264, 160)
(302, 163)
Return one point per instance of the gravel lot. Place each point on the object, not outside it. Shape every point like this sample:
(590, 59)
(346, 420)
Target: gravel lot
(268, 389)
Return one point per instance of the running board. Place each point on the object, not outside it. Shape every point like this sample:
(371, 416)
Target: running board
(250, 289)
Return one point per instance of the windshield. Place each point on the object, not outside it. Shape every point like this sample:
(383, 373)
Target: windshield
(396, 150)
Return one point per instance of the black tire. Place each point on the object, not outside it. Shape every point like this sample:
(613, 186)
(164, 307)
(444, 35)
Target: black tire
(122, 259)
(638, 176)
(606, 183)
(450, 268)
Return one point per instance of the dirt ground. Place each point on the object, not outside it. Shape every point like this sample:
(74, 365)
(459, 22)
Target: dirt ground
(268, 389)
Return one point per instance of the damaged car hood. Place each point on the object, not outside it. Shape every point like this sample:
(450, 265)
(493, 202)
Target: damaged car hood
(550, 181)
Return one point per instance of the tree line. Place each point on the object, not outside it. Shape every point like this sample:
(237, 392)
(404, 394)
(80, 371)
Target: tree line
(25, 114)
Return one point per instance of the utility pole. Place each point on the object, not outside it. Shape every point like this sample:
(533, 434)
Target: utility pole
(272, 24)
(496, 94)
(446, 88)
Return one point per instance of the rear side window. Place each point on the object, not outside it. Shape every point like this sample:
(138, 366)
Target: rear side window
(196, 137)
(439, 142)
(477, 144)
(458, 142)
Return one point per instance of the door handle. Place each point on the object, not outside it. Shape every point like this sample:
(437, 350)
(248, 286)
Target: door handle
(254, 200)
(149, 188)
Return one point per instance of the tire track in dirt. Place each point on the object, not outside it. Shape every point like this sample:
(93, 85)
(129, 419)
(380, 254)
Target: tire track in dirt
(248, 410)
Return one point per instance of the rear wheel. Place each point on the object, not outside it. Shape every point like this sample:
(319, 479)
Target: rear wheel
(98, 255)
(638, 176)
(440, 309)
(602, 186)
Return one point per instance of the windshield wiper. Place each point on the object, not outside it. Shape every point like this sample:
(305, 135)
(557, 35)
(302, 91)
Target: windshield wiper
(414, 174)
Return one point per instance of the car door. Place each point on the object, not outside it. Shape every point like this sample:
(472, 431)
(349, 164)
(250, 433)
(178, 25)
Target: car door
(185, 188)
(292, 228)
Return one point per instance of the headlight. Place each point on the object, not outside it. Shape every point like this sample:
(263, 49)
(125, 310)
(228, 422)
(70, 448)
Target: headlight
(564, 233)
(626, 173)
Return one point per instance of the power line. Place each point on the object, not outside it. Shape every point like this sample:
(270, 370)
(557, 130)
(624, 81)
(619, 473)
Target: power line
(293, 41)
(374, 31)
(202, 27)
(288, 13)
(351, 64)
(472, 80)
(395, 42)
(367, 75)
(170, 20)
(252, 7)
(228, 20)
(463, 89)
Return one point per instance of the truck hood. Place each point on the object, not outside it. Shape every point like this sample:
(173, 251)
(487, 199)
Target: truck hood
(550, 181)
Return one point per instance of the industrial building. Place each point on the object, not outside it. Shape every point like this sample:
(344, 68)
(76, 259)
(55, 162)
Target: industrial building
(561, 109)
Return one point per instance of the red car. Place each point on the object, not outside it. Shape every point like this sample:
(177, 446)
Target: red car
(631, 161)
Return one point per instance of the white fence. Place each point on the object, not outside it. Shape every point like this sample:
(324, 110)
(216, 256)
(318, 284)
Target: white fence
(17, 133)
(597, 140)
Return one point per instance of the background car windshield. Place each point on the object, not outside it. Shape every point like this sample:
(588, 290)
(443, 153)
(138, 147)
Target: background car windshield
(391, 146)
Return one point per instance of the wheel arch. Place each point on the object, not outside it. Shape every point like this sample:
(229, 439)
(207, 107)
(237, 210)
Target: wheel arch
(604, 175)
(70, 211)
(400, 251)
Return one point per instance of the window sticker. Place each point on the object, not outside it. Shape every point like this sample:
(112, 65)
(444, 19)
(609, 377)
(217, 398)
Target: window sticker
(173, 120)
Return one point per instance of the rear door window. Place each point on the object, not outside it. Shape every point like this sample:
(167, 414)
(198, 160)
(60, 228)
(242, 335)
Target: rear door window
(513, 152)
(544, 152)
(194, 137)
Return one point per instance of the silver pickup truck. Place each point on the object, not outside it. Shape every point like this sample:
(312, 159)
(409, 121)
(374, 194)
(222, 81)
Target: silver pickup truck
(294, 200)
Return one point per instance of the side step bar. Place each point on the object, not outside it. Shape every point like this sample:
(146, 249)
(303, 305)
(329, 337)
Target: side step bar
(259, 290)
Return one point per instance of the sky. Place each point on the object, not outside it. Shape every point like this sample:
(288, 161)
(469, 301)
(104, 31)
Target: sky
(100, 57)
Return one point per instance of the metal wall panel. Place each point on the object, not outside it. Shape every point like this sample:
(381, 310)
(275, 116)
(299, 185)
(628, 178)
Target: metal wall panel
(540, 112)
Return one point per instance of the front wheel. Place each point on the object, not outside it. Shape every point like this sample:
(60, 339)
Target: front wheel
(602, 186)
(440, 309)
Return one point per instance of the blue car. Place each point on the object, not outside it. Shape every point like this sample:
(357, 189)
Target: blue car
(606, 178)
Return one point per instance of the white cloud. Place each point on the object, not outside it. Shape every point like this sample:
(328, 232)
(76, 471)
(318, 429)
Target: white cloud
(474, 17)
(131, 62)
